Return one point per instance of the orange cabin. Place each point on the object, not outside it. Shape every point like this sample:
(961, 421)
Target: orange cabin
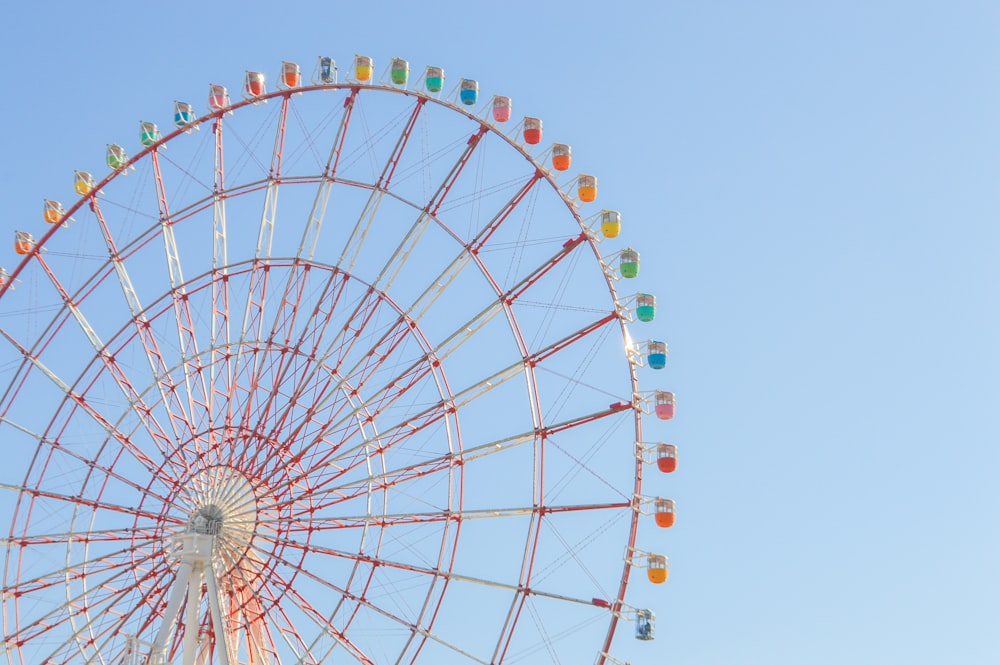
(23, 242)
(586, 188)
(562, 156)
(532, 130)
(53, 211)
(663, 512)
(218, 97)
(502, 107)
(254, 84)
(291, 75)
(656, 568)
(666, 457)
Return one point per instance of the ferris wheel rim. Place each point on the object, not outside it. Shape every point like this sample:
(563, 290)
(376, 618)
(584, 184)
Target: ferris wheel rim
(486, 126)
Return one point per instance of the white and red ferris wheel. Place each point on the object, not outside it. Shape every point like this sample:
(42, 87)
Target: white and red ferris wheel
(334, 372)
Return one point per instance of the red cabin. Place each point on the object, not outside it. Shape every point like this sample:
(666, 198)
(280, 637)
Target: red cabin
(532, 131)
(666, 457)
(254, 86)
(291, 75)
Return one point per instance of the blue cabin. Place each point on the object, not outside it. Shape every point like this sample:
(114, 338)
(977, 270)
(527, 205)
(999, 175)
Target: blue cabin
(468, 92)
(656, 354)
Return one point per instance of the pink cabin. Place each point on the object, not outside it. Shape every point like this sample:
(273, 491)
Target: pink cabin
(218, 97)
(664, 405)
(666, 457)
(502, 107)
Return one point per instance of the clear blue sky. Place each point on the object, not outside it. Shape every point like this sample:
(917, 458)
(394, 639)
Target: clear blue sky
(814, 189)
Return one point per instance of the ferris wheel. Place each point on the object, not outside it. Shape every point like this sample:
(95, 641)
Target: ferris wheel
(338, 371)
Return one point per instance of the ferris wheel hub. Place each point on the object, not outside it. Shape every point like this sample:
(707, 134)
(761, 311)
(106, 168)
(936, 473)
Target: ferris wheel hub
(224, 505)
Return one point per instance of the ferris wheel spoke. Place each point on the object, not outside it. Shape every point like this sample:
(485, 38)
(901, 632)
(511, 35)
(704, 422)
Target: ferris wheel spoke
(77, 500)
(186, 339)
(395, 264)
(304, 362)
(115, 564)
(89, 536)
(320, 522)
(86, 407)
(172, 405)
(94, 612)
(365, 602)
(356, 239)
(110, 363)
(403, 382)
(304, 607)
(220, 362)
(339, 348)
(444, 280)
(438, 573)
(339, 493)
(247, 370)
(267, 385)
(310, 236)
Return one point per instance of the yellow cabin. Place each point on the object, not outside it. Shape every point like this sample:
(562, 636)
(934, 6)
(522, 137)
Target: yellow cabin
(83, 183)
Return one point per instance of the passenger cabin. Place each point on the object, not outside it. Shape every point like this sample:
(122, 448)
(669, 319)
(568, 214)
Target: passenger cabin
(326, 70)
(116, 157)
(502, 107)
(663, 513)
(628, 263)
(562, 156)
(218, 97)
(24, 242)
(183, 114)
(645, 625)
(363, 68)
(468, 92)
(434, 79)
(645, 307)
(664, 405)
(83, 183)
(399, 71)
(254, 85)
(656, 354)
(586, 188)
(53, 211)
(611, 223)
(656, 568)
(291, 75)
(532, 130)
(149, 133)
(666, 457)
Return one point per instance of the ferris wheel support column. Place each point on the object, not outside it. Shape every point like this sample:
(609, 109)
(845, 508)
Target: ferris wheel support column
(195, 566)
